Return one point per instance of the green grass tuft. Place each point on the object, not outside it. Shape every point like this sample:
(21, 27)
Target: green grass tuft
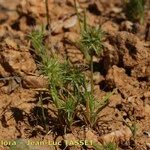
(67, 83)
(108, 146)
(135, 9)
(90, 42)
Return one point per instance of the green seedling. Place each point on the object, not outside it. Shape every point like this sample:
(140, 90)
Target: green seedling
(134, 10)
(133, 128)
(69, 110)
(91, 41)
(65, 81)
(90, 44)
(67, 85)
(43, 113)
(91, 115)
(108, 146)
(37, 42)
(71, 93)
(19, 145)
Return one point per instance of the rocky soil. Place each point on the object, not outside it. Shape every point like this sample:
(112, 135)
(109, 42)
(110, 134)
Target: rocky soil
(124, 65)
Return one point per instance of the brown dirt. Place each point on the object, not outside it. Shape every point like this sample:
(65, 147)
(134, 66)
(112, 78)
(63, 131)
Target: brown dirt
(124, 65)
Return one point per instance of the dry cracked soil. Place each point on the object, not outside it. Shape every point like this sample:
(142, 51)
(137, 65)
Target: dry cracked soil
(124, 65)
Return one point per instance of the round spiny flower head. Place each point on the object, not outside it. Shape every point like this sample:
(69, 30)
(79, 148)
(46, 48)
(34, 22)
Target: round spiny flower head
(91, 41)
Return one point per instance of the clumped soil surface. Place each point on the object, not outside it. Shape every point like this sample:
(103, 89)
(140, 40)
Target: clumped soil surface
(124, 64)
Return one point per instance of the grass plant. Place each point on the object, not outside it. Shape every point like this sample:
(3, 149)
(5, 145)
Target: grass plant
(67, 83)
(107, 146)
(135, 9)
(91, 113)
(19, 144)
(90, 44)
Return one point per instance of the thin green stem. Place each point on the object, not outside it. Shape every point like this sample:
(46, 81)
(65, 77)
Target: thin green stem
(85, 21)
(88, 111)
(47, 14)
(43, 114)
(87, 114)
(91, 67)
(49, 27)
(76, 9)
